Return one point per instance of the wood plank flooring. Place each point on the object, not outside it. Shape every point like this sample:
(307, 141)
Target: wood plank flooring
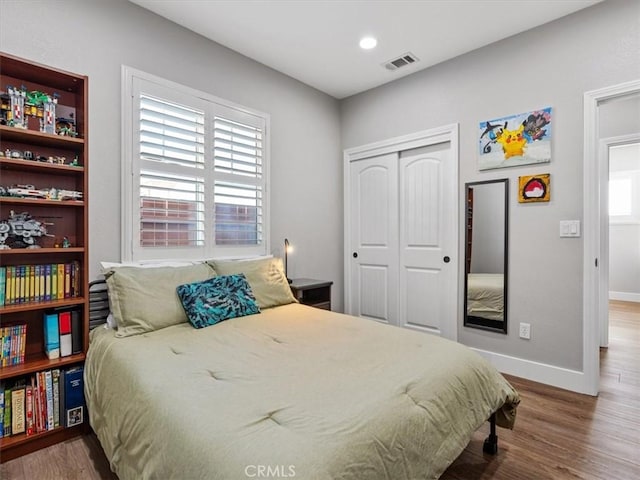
(558, 434)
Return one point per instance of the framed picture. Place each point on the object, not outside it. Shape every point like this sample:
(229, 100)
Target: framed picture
(534, 188)
(520, 139)
(75, 416)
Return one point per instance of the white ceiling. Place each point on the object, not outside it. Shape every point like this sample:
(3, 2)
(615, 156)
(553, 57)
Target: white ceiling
(316, 41)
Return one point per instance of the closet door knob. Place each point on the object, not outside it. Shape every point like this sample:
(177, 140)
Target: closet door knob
(446, 259)
(355, 254)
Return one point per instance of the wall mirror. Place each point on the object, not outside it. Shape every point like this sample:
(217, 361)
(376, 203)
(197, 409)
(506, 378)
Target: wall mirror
(486, 255)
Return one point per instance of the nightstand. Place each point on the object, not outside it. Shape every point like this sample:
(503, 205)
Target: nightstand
(315, 293)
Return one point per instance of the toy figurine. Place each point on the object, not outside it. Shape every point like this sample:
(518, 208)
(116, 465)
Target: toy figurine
(48, 121)
(23, 229)
(66, 243)
(17, 107)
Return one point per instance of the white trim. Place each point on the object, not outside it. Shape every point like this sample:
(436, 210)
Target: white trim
(625, 296)
(592, 246)
(444, 134)
(535, 371)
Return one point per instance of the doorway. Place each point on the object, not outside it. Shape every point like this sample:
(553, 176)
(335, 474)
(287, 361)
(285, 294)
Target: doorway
(595, 226)
(620, 157)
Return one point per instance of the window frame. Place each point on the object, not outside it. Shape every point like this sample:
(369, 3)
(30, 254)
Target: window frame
(135, 81)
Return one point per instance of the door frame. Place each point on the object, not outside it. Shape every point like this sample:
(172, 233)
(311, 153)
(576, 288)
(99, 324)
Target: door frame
(593, 246)
(424, 138)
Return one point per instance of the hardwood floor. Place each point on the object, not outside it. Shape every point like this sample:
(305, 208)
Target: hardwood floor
(564, 435)
(558, 434)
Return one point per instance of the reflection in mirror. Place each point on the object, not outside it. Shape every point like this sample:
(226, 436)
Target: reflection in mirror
(486, 226)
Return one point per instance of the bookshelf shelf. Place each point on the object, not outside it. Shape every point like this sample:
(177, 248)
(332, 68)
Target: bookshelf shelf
(30, 165)
(65, 220)
(36, 138)
(35, 363)
(29, 306)
(44, 202)
(41, 251)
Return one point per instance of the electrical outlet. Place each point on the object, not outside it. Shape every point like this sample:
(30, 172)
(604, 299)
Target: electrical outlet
(525, 330)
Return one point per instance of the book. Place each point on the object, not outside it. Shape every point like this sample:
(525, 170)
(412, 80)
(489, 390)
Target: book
(42, 282)
(22, 283)
(23, 342)
(76, 331)
(37, 405)
(60, 294)
(8, 297)
(55, 376)
(54, 281)
(1, 411)
(49, 392)
(74, 396)
(7, 412)
(67, 280)
(64, 325)
(29, 410)
(18, 418)
(62, 412)
(51, 336)
(47, 283)
(32, 283)
(3, 285)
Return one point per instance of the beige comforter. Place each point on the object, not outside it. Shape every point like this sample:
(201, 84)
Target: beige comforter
(485, 295)
(295, 391)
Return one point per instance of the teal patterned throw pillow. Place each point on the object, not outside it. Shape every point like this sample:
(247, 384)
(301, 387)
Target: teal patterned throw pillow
(217, 299)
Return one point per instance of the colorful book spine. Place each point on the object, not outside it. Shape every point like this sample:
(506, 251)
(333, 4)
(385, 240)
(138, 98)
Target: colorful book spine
(60, 294)
(22, 282)
(32, 283)
(67, 280)
(49, 392)
(41, 283)
(1, 411)
(54, 281)
(18, 417)
(3, 285)
(29, 409)
(55, 375)
(7, 412)
(47, 282)
(8, 297)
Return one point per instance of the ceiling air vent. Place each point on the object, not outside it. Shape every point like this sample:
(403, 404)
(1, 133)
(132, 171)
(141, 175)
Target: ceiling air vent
(403, 60)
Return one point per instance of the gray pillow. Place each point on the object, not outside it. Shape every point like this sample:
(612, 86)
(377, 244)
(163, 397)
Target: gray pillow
(265, 276)
(145, 299)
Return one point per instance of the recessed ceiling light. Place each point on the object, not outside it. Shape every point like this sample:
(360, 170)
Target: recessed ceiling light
(367, 43)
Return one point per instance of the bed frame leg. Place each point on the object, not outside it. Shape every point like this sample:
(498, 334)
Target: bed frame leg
(491, 442)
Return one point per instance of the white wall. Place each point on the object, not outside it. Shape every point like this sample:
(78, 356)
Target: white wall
(96, 37)
(552, 65)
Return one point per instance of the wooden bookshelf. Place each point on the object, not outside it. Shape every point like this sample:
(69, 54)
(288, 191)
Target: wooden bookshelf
(64, 167)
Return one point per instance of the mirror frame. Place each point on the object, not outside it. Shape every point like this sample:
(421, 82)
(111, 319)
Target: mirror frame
(477, 322)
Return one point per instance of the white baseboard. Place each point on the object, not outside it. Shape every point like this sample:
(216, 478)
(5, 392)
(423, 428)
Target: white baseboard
(538, 372)
(624, 296)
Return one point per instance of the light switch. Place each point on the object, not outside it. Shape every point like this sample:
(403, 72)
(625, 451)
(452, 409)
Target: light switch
(569, 228)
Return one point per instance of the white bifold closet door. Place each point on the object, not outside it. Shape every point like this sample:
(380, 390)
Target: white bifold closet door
(402, 205)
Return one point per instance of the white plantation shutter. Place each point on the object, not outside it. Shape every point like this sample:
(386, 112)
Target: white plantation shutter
(198, 175)
(238, 184)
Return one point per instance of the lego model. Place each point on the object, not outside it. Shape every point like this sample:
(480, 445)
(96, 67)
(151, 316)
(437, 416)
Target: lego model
(23, 230)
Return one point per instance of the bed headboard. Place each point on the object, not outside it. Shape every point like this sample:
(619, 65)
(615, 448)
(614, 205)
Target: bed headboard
(98, 303)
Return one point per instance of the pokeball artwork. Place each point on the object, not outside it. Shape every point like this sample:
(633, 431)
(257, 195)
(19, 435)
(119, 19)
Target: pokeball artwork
(534, 188)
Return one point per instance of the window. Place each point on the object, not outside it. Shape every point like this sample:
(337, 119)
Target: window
(196, 173)
(624, 197)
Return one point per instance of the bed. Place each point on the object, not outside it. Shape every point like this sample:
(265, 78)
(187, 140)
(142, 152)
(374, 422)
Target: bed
(290, 391)
(485, 295)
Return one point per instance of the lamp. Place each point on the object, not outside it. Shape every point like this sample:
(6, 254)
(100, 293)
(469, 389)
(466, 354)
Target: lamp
(287, 249)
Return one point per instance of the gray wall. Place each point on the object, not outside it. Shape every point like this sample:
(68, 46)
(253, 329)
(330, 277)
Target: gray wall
(96, 37)
(552, 65)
